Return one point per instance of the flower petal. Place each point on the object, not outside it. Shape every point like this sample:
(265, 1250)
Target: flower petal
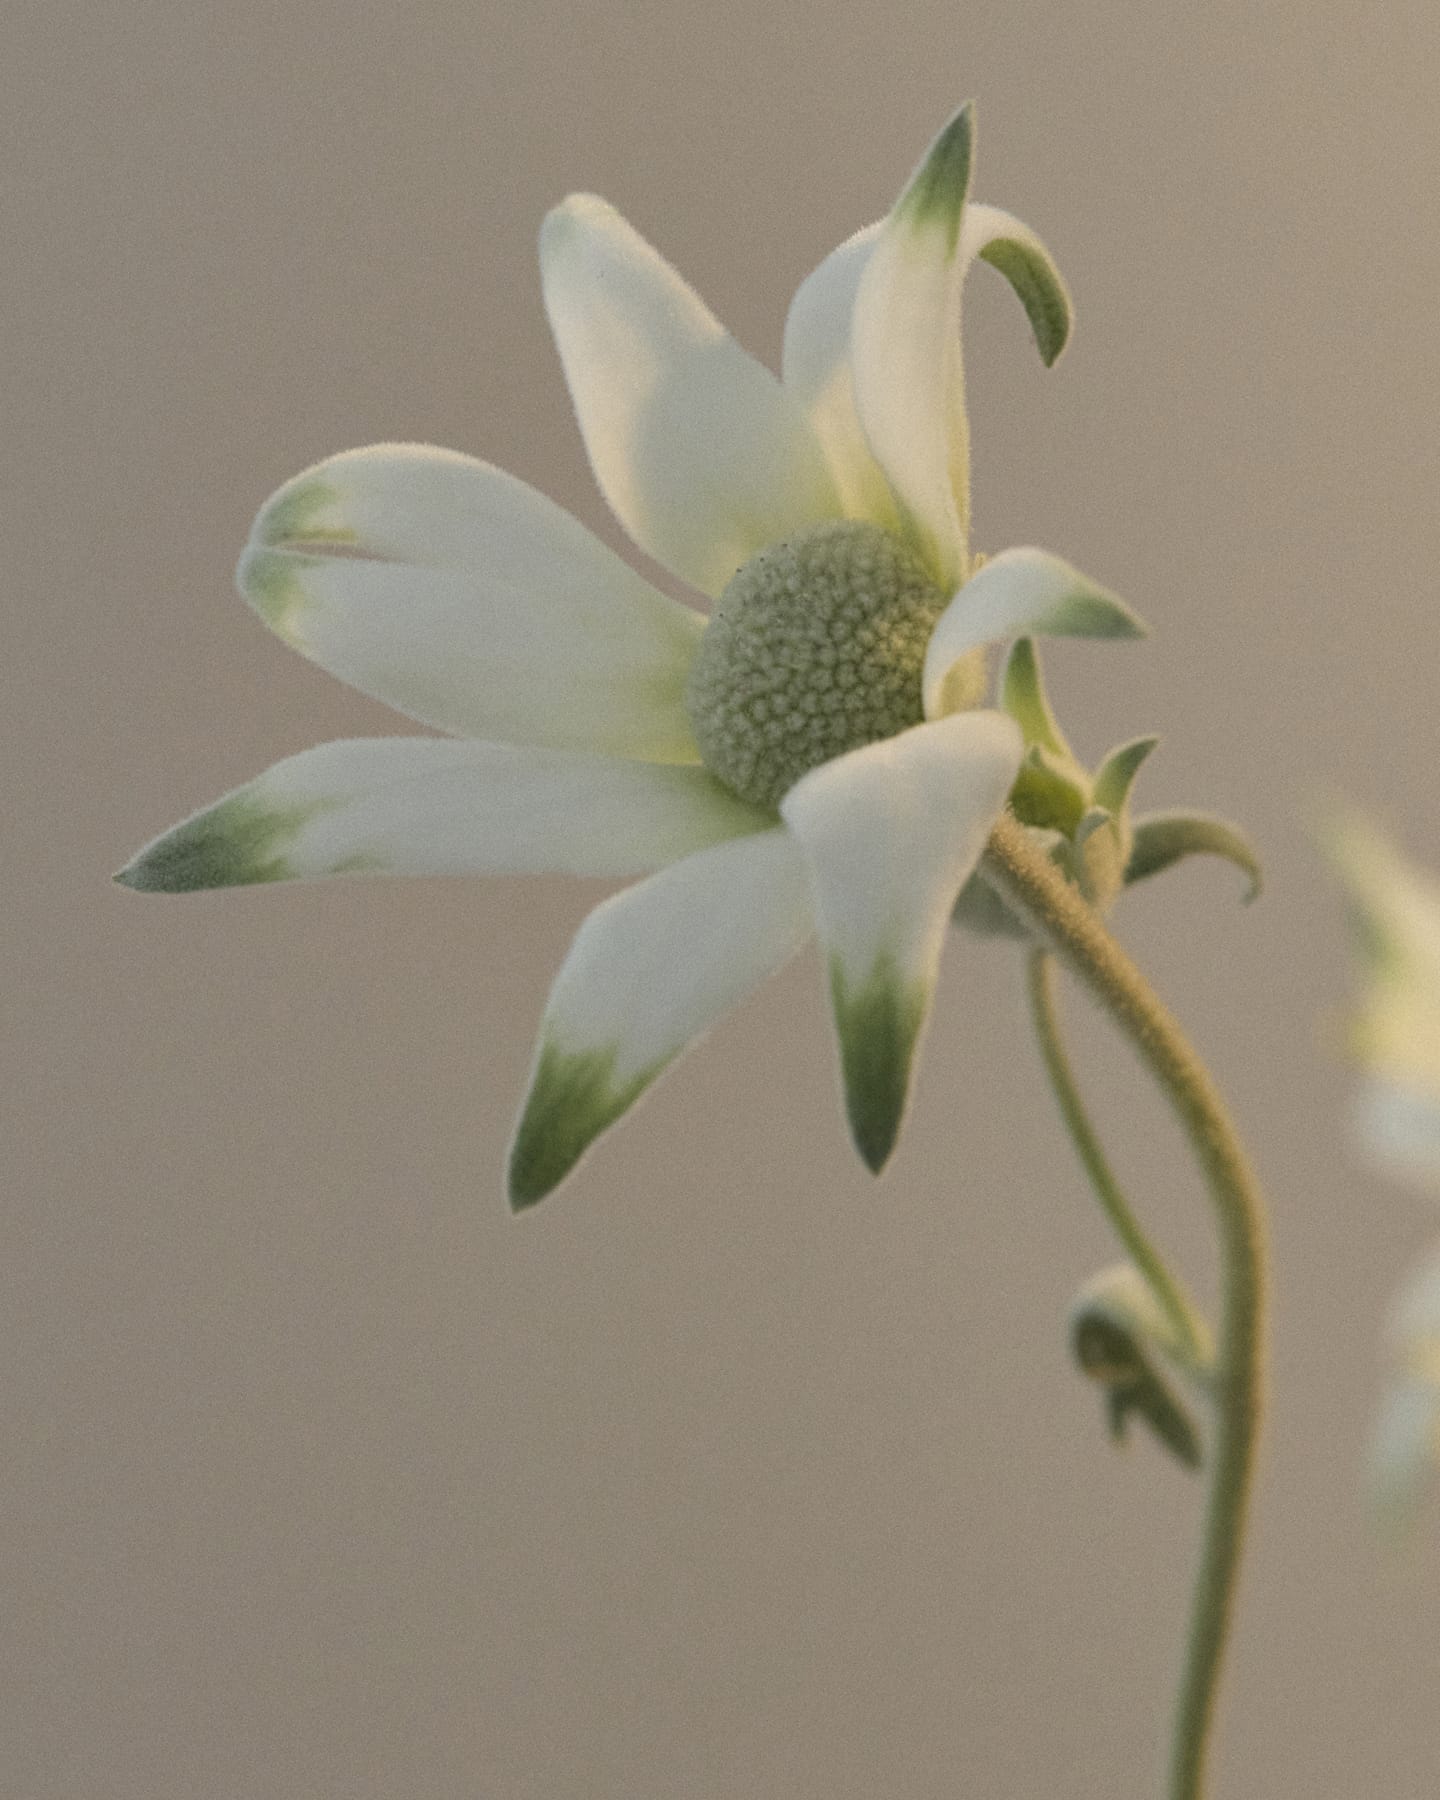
(459, 595)
(1013, 249)
(905, 351)
(891, 833)
(1020, 590)
(703, 457)
(1399, 1125)
(648, 972)
(444, 806)
(815, 367)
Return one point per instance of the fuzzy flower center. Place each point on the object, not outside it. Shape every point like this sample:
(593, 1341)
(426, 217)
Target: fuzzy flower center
(815, 647)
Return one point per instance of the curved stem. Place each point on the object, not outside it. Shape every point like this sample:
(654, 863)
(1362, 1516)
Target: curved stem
(1191, 1335)
(1068, 925)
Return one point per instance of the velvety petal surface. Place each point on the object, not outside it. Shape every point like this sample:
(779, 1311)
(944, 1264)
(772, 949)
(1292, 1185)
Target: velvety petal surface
(905, 351)
(1020, 590)
(702, 455)
(648, 972)
(464, 598)
(815, 366)
(891, 833)
(444, 806)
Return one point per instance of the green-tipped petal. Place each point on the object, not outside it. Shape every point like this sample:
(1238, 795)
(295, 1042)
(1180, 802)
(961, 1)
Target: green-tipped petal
(700, 452)
(1116, 775)
(241, 840)
(1118, 1331)
(890, 835)
(1021, 590)
(1162, 839)
(905, 352)
(442, 806)
(1014, 251)
(934, 198)
(650, 971)
(1022, 694)
(459, 595)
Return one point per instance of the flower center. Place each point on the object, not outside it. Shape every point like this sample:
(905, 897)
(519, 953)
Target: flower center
(816, 647)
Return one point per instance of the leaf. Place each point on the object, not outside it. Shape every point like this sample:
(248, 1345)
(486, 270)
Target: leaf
(1164, 838)
(1022, 694)
(1116, 775)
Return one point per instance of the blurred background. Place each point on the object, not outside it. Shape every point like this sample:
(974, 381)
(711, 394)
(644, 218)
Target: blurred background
(726, 1472)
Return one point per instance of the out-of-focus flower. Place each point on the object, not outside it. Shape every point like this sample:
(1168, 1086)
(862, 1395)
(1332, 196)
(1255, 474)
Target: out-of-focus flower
(1394, 1035)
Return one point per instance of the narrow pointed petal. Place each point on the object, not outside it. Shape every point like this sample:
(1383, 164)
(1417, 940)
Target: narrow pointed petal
(905, 351)
(1014, 251)
(649, 972)
(699, 451)
(815, 367)
(460, 596)
(891, 833)
(1021, 590)
(443, 806)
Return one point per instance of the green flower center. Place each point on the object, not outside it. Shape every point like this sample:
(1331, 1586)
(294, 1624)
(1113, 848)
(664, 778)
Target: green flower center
(816, 647)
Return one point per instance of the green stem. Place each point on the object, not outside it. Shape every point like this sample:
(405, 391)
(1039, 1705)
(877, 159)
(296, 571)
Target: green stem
(1071, 928)
(1192, 1339)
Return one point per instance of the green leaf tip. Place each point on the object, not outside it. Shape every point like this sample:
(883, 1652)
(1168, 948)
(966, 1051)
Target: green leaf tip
(236, 843)
(1039, 288)
(574, 1097)
(878, 1026)
(1162, 839)
(1023, 696)
(1116, 775)
(935, 197)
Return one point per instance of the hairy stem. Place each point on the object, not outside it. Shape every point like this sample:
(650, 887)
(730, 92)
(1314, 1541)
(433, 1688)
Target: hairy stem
(1191, 1335)
(1074, 932)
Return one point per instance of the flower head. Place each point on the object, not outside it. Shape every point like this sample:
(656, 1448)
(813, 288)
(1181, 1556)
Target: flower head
(810, 760)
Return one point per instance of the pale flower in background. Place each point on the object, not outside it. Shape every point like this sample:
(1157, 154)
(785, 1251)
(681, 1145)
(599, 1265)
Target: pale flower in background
(810, 760)
(1394, 1035)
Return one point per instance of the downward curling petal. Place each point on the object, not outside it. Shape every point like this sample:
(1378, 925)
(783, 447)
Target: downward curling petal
(701, 454)
(1014, 251)
(648, 973)
(441, 806)
(891, 833)
(460, 596)
(1022, 590)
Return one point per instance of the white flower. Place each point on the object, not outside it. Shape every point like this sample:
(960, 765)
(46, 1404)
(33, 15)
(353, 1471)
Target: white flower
(1395, 1036)
(806, 762)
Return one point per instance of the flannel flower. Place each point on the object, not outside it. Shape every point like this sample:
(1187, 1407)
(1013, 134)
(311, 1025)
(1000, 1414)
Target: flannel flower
(810, 759)
(1395, 1037)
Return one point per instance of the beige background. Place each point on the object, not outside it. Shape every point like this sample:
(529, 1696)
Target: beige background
(725, 1474)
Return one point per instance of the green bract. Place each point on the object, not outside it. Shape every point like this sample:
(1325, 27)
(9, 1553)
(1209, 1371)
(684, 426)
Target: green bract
(1086, 816)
